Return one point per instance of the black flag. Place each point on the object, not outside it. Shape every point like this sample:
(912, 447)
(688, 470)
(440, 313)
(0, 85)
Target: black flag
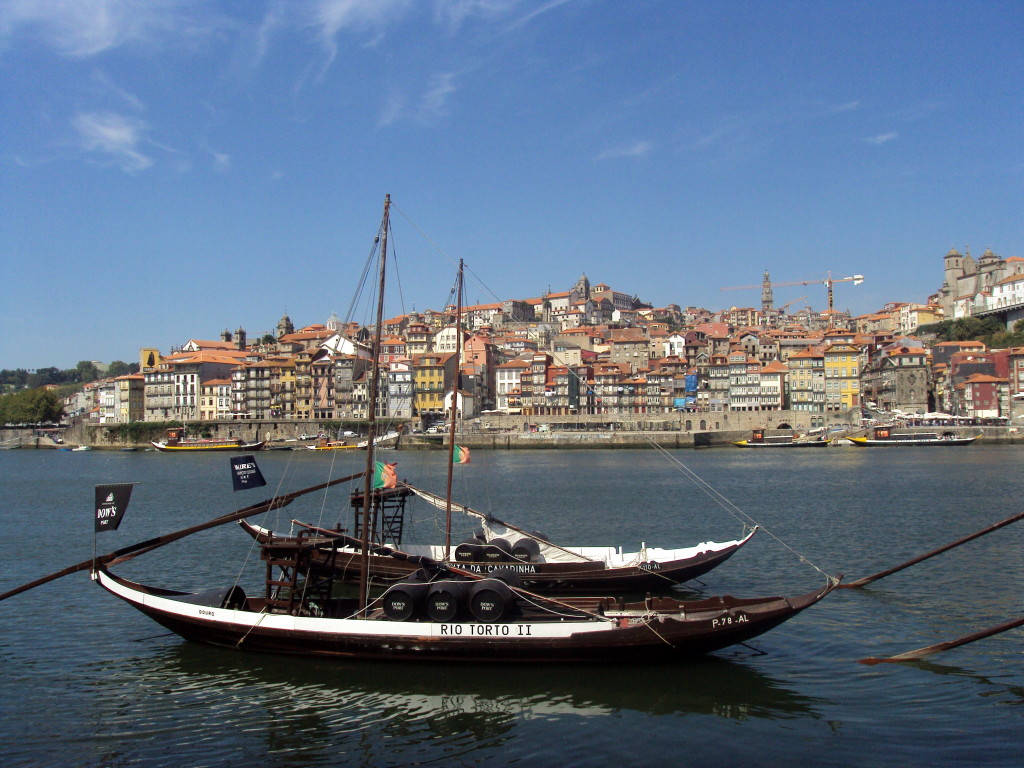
(245, 473)
(111, 502)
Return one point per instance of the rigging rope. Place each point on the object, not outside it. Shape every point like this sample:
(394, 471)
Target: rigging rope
(728, 505)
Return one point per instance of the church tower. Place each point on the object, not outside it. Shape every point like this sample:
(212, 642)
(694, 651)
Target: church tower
(582, 288)
(284, 326)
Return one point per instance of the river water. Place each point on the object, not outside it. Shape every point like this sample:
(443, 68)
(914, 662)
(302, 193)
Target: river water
(88, 681)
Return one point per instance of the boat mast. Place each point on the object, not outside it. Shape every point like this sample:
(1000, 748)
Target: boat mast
(454, 413)
(364, 570)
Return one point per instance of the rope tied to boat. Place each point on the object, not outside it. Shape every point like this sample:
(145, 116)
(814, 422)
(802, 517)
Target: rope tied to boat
(732, 508)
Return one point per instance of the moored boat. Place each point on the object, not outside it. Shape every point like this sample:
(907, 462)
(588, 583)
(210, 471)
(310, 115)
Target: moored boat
(325, 444)
(453, 620)
(884, 436)
(499, 547)
(758, 439)
(177, 441)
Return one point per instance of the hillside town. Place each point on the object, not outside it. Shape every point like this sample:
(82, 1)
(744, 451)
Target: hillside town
(592, 352)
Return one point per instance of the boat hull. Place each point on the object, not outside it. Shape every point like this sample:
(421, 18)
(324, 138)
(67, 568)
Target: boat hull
(345, 564)
(870, 442)
(780, 444)
(227, 446)
(668, 630)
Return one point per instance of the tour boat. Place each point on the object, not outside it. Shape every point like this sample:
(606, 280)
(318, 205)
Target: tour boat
(884, 436)
(758, 439)
(177, 441)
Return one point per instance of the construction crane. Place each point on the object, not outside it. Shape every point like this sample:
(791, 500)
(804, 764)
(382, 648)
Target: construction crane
(785, 306)
(767, 285)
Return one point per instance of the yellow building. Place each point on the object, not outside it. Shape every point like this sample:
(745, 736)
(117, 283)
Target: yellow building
(807, 380)
(303, 377)
(215, 400)
(842, 376)
(432, 375)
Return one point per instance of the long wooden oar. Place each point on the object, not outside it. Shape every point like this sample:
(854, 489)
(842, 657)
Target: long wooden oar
(940, 550)
(134, 550)
(922, 652)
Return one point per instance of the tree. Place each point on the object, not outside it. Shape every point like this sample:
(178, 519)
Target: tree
(121, 368)
(31, 406)
(87, 371)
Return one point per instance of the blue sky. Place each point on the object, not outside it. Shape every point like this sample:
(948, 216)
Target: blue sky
(171, 169)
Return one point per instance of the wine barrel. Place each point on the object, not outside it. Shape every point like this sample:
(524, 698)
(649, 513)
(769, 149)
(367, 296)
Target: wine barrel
(526, 549)
(497, 551)
(468, 552)
(445, 600)
(490, 600)
(404, 601)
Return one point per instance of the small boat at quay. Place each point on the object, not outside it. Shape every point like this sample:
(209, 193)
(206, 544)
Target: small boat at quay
(758, 439)
(324, 444)
(884, 436)
(442, 611)
(177, 442)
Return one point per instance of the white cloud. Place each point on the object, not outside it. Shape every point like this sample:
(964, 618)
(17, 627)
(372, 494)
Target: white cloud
(550, 6)
(221, 160)
(114, 136)
(330, 17)
(108, 87)
(849, 106)
(453, 12)
(881, 138)
(434, 104)
(391, 110)
(639, 149)
(81, 28)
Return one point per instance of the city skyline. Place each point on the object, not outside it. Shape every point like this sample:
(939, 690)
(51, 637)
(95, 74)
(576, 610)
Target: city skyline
(175, 168)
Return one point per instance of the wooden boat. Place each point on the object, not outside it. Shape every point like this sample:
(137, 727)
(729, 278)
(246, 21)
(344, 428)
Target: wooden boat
(387, 440)
(177, 441)
(446, 619)
(323, 444)
(442, 612)
(884, 436)
(503, 548)
(758, 439)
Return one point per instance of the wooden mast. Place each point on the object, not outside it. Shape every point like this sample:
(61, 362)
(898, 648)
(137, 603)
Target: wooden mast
(364, 570)
(453, 414)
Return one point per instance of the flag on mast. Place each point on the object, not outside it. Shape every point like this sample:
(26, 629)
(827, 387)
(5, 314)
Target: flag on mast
(111, 503)
(460, 455)
(384, 475)
(245, 473)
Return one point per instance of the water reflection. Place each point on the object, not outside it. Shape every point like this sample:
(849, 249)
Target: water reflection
(209, 705)
(483, 698)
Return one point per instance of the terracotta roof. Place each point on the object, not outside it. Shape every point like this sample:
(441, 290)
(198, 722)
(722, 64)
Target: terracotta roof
(219, 344)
